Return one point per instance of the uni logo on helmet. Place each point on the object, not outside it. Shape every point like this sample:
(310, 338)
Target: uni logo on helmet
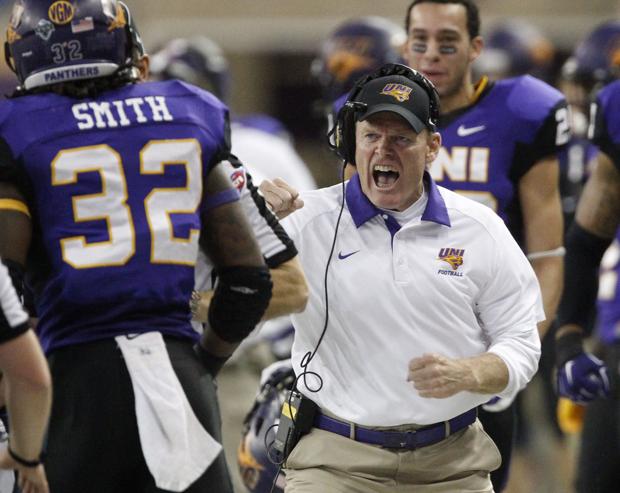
(400, 92)
(614, 59)
(61, 12)
(11, 35)
(120, 21)
(344, 63)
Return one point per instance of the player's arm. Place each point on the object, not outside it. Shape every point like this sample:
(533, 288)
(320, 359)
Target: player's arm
(596, 221)
(289, 293)
(581, 376)
(27, 390)
(15, 226)
(28, 394)
(290, 290)
(543, 226)
(244, 285)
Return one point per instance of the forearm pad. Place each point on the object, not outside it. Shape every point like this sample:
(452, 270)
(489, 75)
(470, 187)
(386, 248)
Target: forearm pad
(584, 251)
(241, 297)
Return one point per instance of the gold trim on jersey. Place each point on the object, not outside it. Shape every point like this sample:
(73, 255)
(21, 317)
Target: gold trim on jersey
(479, 88)
(14, 205)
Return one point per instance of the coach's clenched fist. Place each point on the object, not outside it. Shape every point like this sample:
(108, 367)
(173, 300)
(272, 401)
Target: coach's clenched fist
(437, 376)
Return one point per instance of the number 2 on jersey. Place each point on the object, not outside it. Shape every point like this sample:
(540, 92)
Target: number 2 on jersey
(111, 203)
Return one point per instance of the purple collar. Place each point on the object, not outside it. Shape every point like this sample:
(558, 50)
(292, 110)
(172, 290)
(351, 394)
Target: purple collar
(362, 209)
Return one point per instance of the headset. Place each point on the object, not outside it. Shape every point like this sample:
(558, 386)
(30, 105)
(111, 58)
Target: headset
(344, 129)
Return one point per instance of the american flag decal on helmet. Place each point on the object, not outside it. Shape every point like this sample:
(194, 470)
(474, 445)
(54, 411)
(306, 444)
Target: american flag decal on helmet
(453, 256)
(399, 91)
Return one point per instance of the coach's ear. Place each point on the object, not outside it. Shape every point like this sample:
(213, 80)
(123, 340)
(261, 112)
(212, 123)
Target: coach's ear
(432, 147)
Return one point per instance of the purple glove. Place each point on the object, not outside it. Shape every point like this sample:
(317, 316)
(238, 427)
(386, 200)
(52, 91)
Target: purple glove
(583, 378)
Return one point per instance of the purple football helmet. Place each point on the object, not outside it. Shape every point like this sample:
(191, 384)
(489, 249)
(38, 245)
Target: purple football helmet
(198, 60)
(49, 41)
(257, 465)
(356, 48)
(596, 59)
(514, 48)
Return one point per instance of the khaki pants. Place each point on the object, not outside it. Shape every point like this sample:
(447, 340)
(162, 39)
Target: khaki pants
(327, 462)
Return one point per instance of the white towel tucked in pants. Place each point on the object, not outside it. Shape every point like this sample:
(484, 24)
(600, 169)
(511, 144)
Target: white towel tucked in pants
(176, 448)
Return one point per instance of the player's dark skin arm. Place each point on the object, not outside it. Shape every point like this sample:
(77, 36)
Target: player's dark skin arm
(598, 211)
(599, 206)
(28, 387)
(228, 240)
(15, 227)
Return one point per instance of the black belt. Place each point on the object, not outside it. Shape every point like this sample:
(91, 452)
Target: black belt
(410, 440)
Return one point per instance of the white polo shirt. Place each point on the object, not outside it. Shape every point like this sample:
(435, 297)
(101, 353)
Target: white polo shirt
(451, 281)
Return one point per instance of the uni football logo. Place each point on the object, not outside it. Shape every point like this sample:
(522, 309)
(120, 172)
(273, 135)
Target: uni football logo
(61, 12)
(400, 92)
(453, 256)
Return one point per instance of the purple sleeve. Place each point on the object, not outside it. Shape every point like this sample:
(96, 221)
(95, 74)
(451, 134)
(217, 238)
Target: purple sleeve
(220, 198)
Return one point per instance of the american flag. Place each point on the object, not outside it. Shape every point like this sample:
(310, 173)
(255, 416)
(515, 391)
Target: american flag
(85, 24)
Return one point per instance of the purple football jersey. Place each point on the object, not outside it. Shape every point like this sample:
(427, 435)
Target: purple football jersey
(488, 146)
(605, 133)
(115, 186)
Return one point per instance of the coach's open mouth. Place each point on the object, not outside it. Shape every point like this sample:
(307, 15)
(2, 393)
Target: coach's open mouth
(384, 175)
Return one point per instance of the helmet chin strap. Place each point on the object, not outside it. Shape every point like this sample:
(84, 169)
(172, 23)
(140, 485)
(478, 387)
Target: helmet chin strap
(8, 58)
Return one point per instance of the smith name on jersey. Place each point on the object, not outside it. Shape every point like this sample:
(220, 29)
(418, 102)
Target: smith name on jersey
(488, 146)
(115, 188)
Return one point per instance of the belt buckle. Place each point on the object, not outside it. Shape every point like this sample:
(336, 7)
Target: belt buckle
(401, 440)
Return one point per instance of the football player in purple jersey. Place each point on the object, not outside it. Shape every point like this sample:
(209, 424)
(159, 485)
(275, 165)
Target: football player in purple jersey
(265, 149)
(108, 189)
(499, 146)
(582, 377)
(26, 390)
(593, 242)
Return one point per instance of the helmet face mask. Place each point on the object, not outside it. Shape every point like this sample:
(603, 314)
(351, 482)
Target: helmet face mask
(51, 42)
